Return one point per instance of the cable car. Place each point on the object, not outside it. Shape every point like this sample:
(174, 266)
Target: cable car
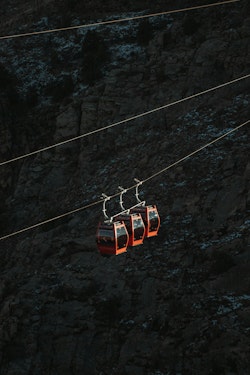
(150, 217)
(148, 213)
(112, 238)
(135, 227)
(133, 221)
(128, 227)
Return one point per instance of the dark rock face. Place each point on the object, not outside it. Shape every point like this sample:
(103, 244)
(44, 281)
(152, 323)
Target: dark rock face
(178, 304)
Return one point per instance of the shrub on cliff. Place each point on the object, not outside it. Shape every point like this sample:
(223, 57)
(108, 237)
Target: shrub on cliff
(190, 25)
(144, 33)
(60, 89)
(95, 55)
(6, 78)
(8, 83)
(222, 261)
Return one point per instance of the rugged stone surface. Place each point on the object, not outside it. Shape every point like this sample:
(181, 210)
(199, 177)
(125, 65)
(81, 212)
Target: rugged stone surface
(180, 303)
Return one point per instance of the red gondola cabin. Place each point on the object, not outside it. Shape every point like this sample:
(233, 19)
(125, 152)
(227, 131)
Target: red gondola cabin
(112, 238)
(135, 227)
(150, 217)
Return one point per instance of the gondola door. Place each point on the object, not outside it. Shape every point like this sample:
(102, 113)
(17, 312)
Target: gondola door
(112, 238)
(135, 227)
(150, 217)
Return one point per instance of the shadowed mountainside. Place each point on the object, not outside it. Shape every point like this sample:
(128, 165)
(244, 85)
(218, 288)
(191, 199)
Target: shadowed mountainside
(179, 304)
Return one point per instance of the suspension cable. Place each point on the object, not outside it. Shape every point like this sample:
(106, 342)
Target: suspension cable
(130, 188)
(143, 114)
(102, 23)
(52, 219)
(195, 152)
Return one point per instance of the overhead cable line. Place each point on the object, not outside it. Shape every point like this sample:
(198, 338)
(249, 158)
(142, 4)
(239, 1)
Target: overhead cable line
(110, 22)
(127, 189)
(195, 152)
(123, 121)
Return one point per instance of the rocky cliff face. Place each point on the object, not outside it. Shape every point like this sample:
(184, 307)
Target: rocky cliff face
(179, 304)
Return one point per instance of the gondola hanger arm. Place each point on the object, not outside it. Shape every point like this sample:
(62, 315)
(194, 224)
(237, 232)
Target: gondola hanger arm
(138, 183)
(105, 199)
(122, 191)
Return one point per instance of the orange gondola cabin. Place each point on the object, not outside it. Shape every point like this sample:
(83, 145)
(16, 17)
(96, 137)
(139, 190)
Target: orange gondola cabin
(112, 238)
(135, 227)
(150, 217)
(128, 227)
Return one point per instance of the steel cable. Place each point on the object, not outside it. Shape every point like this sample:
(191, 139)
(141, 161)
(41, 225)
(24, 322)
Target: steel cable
(110, 22)
(123, 121)
(129, 188)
